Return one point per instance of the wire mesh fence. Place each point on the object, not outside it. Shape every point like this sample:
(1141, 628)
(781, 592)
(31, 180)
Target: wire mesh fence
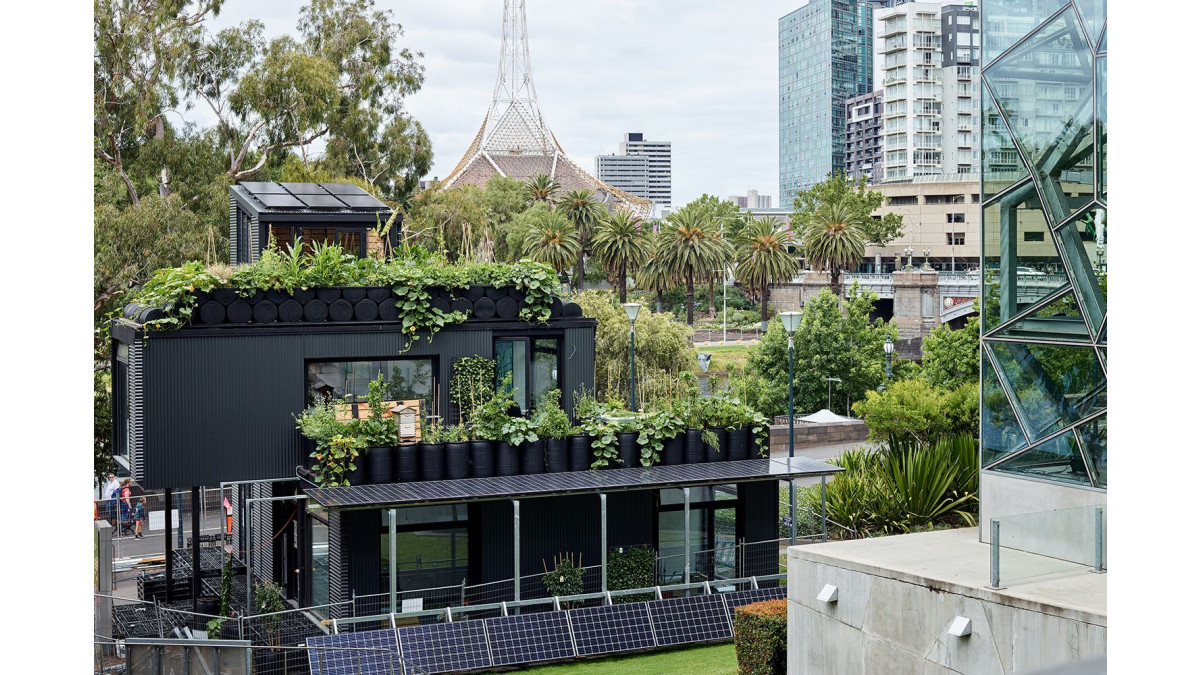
(120, 513)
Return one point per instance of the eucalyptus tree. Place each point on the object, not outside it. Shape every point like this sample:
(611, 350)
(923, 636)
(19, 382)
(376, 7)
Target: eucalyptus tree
(620, 242)
(581, 208)
(553, 241)
(834, 239)
(694, 248)
(765, 256)
(542, 188)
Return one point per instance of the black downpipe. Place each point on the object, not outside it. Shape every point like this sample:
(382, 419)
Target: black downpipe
(170, 559)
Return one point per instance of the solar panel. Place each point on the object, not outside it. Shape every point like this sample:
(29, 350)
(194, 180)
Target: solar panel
(321, 201)
(369, 653)
(258, 188)
(737, 599)
(611, 628)
(444, 647)
(363, 201)
(698, 618)
(280, 201)
(304, 188)
(527, 638)
(343, 189)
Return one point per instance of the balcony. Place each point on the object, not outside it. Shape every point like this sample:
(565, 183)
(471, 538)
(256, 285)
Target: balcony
(895, 44)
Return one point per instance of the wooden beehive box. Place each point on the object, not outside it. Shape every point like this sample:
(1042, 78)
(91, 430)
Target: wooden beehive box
(349, 411)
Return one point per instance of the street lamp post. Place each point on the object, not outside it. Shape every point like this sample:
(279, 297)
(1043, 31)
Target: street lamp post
(908, 252)
(791, 321)
(829, 394)
(888, 348)
(631, 311)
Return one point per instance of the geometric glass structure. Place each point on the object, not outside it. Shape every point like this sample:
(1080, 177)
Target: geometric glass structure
(1044, 382)
(515, 140)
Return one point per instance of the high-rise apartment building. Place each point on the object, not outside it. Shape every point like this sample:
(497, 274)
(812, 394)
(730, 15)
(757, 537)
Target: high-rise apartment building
(823, 61)
(751, 200)
(640, 167)
(927, 65)
(864, 137)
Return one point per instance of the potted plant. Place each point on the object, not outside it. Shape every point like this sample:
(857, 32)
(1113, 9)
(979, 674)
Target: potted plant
(432, 452)
(406, 467)
(378, 435)
(519, 433)
(488, 420)
(458, 452)
(719, 414)
(553, 427)
(687, 409)
(580, 445)
(654, 430)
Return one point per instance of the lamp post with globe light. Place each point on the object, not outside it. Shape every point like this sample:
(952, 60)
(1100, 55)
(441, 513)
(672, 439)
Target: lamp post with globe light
(791, 321)
(888, 348)
(631, 311)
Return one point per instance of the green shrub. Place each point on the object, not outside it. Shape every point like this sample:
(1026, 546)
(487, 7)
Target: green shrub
(565, 579)
(760, 637)
(632, 568)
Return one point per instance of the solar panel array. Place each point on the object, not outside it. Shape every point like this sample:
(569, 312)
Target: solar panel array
(312, 196)
(531, 638)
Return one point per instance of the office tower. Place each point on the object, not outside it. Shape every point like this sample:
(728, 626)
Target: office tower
(864, 137)
(624, 167)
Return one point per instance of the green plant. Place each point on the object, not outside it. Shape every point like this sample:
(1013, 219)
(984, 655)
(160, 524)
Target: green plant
(549, 419)
(455, 433)
(760, 637)
(587, 406)
(492, 420)
(375, 430)
(336, 459)
(565, 579)
(320, 423)
(472, 384)
(327, 265)
(268, 601)
(172, 289)
(654, 430)
(604, 440)
(632, 568)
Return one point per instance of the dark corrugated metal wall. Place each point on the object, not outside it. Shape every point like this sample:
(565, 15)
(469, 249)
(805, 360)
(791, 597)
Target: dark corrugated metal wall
(136, 410)
(233, 233)
(579, 358)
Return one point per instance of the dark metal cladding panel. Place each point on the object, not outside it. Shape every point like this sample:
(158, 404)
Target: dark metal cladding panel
(256, 242)
(339, 587)
(579, 357)
(137, 401)
(233, 218)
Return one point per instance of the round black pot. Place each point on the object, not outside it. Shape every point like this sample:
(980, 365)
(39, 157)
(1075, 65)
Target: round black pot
(556, 455)
(441, 304)
(484, 308)
(579, 452)
(278, 296)
(353, 294)
(433, 461)
(329, 295)
(458, 460)
(473, 293)
(229, 630)
(290, 311)
(556, 307)
(404, 468)
(359, 475)
(265, 312)
(693, 447)
(340, 311)
(738, 444)
(533, 457)
(495, 293)
(483, 462)
(462, 305)
(717, 453)
(316, 310)
(379, 293)
(627, 450)
(572, 309)
(388, 310)
(239, 312)
(303, 295)
(506, 459)
(379, 464)
(673, 450)
(366, 310)
(209, 606)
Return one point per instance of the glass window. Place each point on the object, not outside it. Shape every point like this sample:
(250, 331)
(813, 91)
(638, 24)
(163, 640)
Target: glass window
(545, 366)
(407, 380)
(713, 533)
(431, 547)
(512, 357)
(320, 561)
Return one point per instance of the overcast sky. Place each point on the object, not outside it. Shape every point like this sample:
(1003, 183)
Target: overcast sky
(699, 73)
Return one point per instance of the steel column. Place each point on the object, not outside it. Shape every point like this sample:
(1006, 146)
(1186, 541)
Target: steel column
(603, 542)
(516, 549)
(170, 559)
(392, 558)
(687, 536)
(195, 549)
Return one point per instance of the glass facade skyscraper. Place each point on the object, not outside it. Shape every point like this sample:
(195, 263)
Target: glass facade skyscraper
(825, 49)
(1044, 412)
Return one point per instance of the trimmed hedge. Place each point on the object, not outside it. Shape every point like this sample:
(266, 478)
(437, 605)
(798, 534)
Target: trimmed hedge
(632, 568)
(760, 637)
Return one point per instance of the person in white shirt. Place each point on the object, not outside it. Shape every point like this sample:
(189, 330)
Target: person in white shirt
(112, 490)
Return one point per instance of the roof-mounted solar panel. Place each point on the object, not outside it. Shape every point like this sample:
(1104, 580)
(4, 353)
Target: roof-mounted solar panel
(280, 201)
(305, 188)
(344, 188)
(259, 188)
(321, 201)
(362, 201)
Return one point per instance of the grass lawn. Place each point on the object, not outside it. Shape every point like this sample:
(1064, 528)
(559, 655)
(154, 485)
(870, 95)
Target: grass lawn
(709, 660)
(726, 358)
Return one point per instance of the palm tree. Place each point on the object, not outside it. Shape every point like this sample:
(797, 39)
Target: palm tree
(542, 188)
(619, 243)
(553, 242)
(694, 249)
(763, 257)
(656, 274)
(585, 213)
(834, 239)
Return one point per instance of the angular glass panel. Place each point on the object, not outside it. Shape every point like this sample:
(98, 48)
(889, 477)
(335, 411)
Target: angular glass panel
(1093, 13)
(1002, 165)
(1050, 115)
(1081, 244)
(1103, 339)
(1058, 459)
(1093, 439)
(999, 430)
(1104, 43)
(1054, 385)
(1102, 128)
(1060, 320)
(1020, 263)
(1004, 22)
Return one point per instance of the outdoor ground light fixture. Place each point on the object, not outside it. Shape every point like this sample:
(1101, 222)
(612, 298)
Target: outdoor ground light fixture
(960, 627)
(828, 594)
(631, 311)
(791, 321)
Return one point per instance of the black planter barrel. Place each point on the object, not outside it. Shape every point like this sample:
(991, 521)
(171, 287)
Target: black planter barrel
(149, 314)
(359, 475)
(201, 297)
(693, 448)
(672, 453)
(627, 450)
(366, 310)
(353, 294)
(579, 452)
(239, 312)
(533, 457)
(506, 459)
(303, 295)
(315, 310)
(556, 307)
(473, 293)
(278, 296)
(716, 453)
(507, 308)
(433, 460)
(341, 310)
(458, 460)
(556, 455)
(265, 311)
(225, 296)
(441, 304)
(329, 295)
(495, 293)
(405, 466)
(738, 444)
(212, 312)
(379, 464)
(209, 606)
(378, 293)
(484, 308)
(572, 309)
(483, 461)
(514, 292)
(291, 312)
(388, 310)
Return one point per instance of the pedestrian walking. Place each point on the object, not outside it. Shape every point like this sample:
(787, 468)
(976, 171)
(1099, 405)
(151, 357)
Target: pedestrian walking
(108, 496)
(125, 503)
(139, 517)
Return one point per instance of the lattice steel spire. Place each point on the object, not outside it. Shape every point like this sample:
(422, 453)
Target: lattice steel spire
(515, 140)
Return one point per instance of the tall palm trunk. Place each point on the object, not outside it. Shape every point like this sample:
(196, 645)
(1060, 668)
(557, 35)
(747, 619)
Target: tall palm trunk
(658, 305)
(691, 299)
(766, 290)
(579, 268)
(622, 281)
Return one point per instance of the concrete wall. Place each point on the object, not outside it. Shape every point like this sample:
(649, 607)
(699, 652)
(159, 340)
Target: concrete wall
(809, 435)
(899, 626)
(1001, 496)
